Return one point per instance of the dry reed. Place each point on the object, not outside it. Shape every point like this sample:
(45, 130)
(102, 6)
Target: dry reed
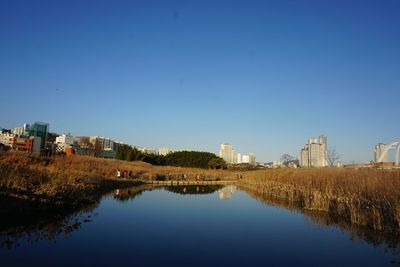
(368, 197)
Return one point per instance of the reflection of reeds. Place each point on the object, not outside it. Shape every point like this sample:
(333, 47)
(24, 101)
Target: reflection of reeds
(389, 239)
(41, 224)
(366, 197)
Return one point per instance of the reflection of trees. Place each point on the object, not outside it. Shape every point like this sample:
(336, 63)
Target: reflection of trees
(48, 222)
(388, 239)
(193, 189)
(42, 223)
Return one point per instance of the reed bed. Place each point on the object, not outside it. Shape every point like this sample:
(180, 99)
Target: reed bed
(63, 176)
(365, 196)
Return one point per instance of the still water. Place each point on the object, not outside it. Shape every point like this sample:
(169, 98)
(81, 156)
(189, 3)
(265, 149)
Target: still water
(191, 226)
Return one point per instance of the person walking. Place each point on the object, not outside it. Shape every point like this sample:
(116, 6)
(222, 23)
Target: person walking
(118, 174)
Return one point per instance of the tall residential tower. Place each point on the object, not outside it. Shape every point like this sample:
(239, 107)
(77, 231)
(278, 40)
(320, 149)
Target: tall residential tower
(228, 153)
(315, 152)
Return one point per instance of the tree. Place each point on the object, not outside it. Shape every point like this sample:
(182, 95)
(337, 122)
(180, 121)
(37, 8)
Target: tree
(122, 152)
(217, 163)
(332, 156)
(287, 158)
(130, 155)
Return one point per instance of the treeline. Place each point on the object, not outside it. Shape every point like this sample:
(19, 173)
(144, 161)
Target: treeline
(193, 159)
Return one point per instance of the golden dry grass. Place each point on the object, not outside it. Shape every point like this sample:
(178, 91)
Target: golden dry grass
(20, 170)
(368, 197)
(79, 180)
(366, 182)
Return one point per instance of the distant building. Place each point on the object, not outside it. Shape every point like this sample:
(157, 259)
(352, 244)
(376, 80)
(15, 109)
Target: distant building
(39, 129)
(108, 144)
(18, 131)
(292, 165)
(30, 144)
(239, 158)
(21, 131)
(252, 158)
(7, 138)
(315, 153)
(246, 159)
(249, 158)
(379, 151)
(147, 150)
(277, 163)
(228, 153)
(102, 143)
(117, 144)
(163, 151)
(304, 157)
(64, 141)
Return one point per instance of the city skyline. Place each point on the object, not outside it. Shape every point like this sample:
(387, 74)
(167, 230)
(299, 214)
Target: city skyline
(390, 157)
(264, 76)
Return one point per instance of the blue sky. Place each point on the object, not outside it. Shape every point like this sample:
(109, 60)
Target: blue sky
(261, 75)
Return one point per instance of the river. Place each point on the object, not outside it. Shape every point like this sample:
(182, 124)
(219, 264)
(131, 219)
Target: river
(193, 226)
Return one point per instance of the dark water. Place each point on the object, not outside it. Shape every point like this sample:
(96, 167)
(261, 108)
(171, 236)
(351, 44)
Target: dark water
(190, 226)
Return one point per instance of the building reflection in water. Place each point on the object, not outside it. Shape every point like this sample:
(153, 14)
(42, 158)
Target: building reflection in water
(227, 192)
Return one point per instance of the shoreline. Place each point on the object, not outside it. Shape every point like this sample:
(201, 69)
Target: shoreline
(351, 195)
(64, 182)
(368, 198)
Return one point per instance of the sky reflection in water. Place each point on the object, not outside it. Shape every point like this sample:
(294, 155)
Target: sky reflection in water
(206, 226)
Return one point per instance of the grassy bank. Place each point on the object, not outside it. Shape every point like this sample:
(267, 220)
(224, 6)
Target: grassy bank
(75, 179)
(366, 197)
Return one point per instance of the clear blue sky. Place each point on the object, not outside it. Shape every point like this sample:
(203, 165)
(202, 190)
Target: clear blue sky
(261, 75)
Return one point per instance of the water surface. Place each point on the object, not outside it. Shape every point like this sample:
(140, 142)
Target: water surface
(191, 226)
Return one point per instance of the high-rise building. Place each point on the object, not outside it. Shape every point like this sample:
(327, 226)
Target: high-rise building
(304, 159)
(239, 158)
(379, 150)
(315, 152)
(249, 158)
(252, 158)
(246, 159)
(39, 129)
(228, 153)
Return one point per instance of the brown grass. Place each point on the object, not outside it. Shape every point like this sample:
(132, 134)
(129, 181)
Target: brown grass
(62, 176)
(368, 197)
(366, 182)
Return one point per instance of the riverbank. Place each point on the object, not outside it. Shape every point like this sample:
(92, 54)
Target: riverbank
(75, 180)
(365, 197)
(324, 219)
